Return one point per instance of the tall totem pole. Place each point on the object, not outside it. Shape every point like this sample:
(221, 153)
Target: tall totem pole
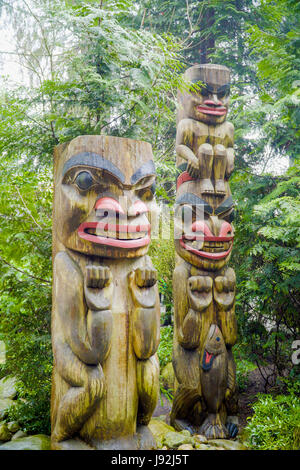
(105, 318)
(204, 286)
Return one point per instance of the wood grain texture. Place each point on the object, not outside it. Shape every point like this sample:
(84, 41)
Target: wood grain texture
(204, 286)
(106, 315)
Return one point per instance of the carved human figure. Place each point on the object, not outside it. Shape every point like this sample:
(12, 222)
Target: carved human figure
(204, 291)
(204, 139)
(105, 318)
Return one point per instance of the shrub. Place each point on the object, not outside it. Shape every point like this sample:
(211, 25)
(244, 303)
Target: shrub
(165, 346)
(275, 424)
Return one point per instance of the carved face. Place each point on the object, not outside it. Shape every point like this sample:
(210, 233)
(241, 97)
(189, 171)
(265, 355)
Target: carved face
(204, 235)
(209, 104)
(103, 196)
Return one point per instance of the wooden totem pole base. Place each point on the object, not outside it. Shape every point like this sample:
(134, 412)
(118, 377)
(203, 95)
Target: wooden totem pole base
(106, 317)
(205, 328)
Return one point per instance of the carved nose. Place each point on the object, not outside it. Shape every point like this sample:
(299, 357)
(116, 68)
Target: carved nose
(137, 208)
(213, 102)
(220, 228)
(105, 205)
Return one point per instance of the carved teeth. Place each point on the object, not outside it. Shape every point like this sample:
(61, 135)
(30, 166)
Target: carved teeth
(116, 235)
(209, 247)
(197, 244)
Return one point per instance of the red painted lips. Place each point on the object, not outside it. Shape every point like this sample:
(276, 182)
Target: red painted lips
(213, 247)
(211, 107)
(110, 207)
(219, 111)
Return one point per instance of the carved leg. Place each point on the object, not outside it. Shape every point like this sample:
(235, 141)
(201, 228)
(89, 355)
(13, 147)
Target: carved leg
(78, 403)
(220, 163)
(182, 416)
(231, 397)
(148, 388)
(205, 157)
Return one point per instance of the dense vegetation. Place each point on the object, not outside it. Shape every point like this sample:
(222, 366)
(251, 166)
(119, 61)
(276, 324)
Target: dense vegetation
(101, 67)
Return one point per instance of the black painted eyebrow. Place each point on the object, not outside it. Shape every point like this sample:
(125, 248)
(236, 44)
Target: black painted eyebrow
(225, 206)
(224, 88)
(209, 88)
(190, 198)
(147, 169)
(93, 160)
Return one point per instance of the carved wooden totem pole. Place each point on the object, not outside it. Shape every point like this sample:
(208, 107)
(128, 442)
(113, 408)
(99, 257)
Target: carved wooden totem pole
(204, 287)
(105, 318)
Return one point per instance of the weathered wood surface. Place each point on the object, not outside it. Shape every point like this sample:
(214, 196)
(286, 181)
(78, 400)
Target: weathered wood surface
(106, 316)
(204, 286)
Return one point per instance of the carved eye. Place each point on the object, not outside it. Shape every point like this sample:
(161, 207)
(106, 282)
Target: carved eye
(229, 217)
(204, 91)
(84, 180)
(223, 93)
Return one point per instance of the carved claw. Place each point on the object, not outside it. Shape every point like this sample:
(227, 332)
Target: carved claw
(213, 428)
(233, 429)
(98, 276)
(145, 277)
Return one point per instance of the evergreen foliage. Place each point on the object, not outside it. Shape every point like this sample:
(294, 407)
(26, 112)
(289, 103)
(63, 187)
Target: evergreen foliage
(113, 67)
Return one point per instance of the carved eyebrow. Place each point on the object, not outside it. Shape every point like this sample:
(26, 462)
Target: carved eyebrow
(224, 88)
(93, 160)
(147, 169)
(225, 206)
(211, 89)
(190, 198)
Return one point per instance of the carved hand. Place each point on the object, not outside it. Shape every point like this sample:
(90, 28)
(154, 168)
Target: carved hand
(98, 276)
(224, 289)
(200, 292)
(140, 283)
(193, 166)
(230, 161)
(145, 277)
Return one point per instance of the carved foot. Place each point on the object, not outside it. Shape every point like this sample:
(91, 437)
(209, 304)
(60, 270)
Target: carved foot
(220, 188)
(182, 424)
(206, 186)
(144, 439)
(70, 444)
(232, 429)
(213, 428)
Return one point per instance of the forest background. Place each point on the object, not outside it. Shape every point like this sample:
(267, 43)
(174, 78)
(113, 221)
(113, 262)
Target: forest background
(113, 67)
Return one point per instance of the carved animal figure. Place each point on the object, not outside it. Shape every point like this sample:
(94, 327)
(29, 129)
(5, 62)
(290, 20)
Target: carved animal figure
(204, 287)
(204, 139)
(106, 316)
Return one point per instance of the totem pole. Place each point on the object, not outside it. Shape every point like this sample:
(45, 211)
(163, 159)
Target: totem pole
(106, 314)
(205, 327)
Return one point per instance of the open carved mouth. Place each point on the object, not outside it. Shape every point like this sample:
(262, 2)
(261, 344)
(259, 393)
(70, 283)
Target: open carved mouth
(207, 247)
(216, 111)
(121, 236)
(207, 360)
